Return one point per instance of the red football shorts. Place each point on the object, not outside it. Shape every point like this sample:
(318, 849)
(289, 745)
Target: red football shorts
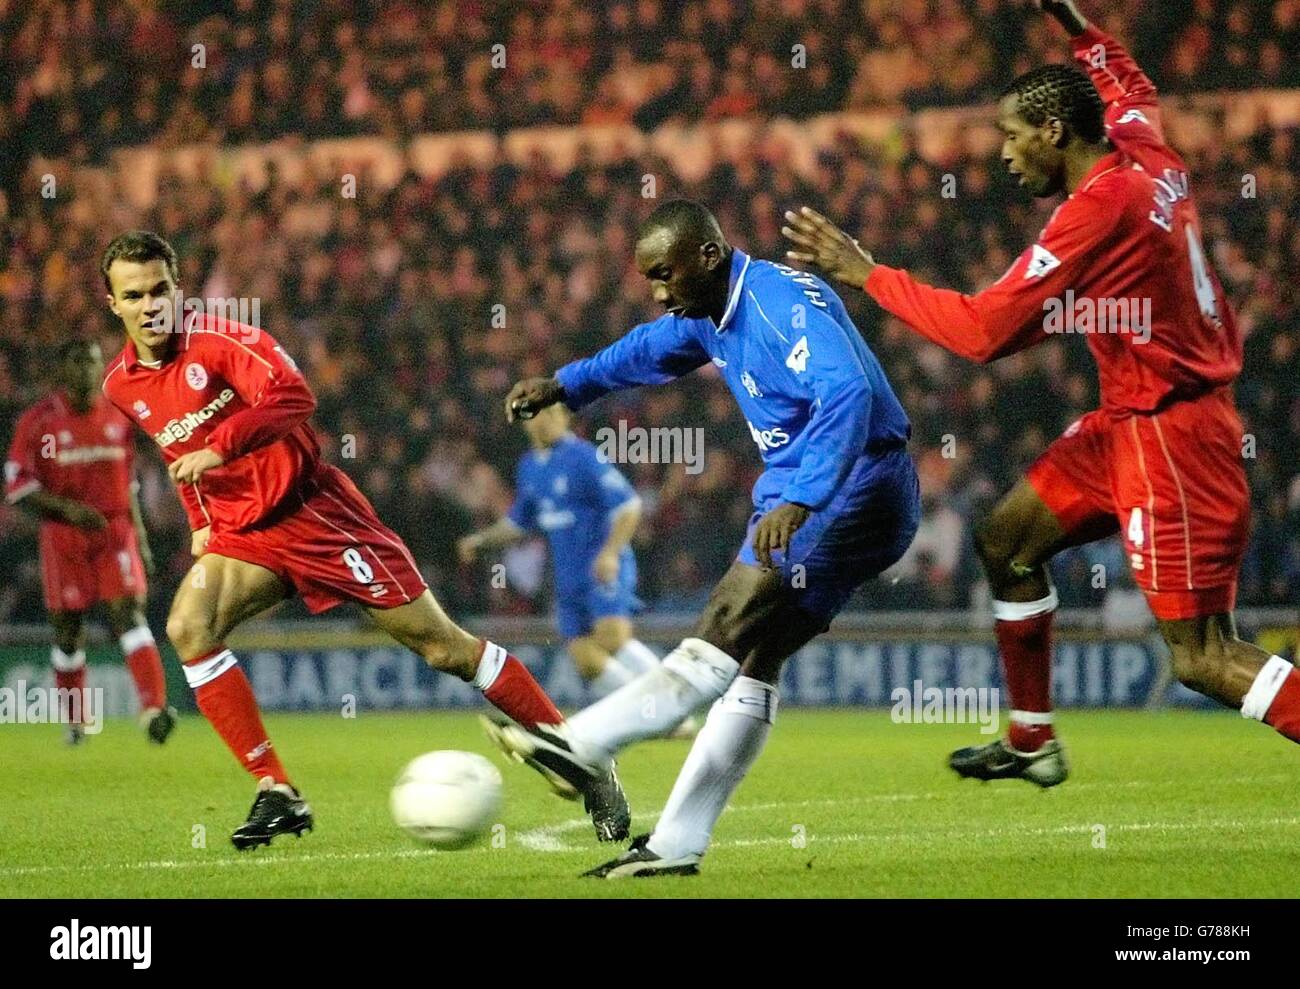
(330, 547)
(1174, 485)
(80, 568)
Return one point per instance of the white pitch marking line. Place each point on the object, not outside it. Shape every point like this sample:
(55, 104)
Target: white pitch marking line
(546, 837)
(213, 863)
(888, 836)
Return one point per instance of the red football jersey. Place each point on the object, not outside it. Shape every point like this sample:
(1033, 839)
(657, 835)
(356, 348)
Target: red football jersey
(229, 387)
(86, 457)
(1119, 261)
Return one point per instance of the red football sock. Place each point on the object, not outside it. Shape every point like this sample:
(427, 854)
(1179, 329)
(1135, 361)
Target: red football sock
(507, 683)
(226, 699)
(1284, 713)
(145, 664)
(1026, 648)
(71, 680)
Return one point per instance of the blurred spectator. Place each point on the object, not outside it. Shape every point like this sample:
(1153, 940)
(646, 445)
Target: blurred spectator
(388, 300)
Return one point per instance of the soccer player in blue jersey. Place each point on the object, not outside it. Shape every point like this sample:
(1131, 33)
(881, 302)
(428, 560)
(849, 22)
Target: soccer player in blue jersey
(588, 512)
(837, 503)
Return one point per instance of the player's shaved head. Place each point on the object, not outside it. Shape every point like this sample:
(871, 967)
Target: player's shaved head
(76, 349)
(680, 249)
(79, 368)
(684, 220)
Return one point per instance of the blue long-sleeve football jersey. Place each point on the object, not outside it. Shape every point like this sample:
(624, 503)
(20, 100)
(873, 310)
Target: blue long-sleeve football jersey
(568, 494)
(814, 395)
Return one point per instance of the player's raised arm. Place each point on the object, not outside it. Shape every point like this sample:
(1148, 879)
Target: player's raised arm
(1132, 113)
(651, 354)
(1066, 13)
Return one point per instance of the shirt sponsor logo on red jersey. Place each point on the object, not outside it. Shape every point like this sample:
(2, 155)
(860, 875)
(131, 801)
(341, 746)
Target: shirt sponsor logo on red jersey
(89, 455)
(180, 430)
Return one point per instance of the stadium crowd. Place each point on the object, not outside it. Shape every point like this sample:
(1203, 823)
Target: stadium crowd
(413, 308)
(81, 77)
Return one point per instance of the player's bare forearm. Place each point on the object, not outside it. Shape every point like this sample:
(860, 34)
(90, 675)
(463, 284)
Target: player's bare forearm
(56, 508)
(1066, 13)
(530, 396)
(503, 532)
(141, 533)
(623, 527)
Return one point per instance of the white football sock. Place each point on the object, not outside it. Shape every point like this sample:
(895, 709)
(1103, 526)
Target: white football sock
(691, 676)
(727, 745)
(67, 662)
(1268, 682)
(608, 680)
(637, 656)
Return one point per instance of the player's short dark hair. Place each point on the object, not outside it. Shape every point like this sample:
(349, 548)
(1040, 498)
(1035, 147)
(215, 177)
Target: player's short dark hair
(138, 246)
(685, 219)
(73, 345)
(1063, 92)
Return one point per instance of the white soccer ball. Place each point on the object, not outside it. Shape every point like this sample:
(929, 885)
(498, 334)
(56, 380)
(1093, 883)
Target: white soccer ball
(446, 799)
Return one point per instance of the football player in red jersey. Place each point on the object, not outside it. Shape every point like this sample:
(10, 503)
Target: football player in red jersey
(230, 411)
(1161, 461)
(70, 465)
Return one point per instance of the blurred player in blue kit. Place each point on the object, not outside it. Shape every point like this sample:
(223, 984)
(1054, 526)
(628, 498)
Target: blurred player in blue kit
(588, 512)
(837, 503)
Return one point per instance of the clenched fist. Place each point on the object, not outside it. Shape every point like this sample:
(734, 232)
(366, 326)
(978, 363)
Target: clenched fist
(530, 396)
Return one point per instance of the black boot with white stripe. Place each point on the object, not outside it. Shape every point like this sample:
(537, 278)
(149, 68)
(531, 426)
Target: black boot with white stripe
(278, 809)
(1046, 766)
(639, 862)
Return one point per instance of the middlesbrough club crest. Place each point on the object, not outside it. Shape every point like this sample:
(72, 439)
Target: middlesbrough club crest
(196, 376)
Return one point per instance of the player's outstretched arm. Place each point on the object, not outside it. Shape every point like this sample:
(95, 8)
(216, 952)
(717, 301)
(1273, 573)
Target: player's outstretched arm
(502, 532)
(818, 241)
(141, 533)
(56, 508)
(1132, 112)
(1006, 317)
(650, 354)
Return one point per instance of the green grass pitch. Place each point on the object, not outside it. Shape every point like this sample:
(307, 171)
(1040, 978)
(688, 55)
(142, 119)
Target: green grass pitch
(842, 803)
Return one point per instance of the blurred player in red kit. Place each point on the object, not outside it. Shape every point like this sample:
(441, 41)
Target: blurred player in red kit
(1161, 460)
(230, 411)
(70, 465)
